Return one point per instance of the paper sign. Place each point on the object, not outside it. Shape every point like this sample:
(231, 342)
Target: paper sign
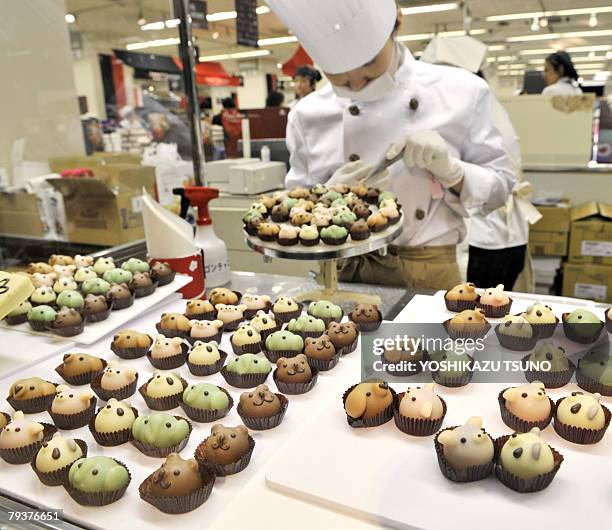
(590, 291)
(597, 248)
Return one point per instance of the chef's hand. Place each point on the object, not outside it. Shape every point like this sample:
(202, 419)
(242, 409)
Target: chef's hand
(428, 150)
(356, 173)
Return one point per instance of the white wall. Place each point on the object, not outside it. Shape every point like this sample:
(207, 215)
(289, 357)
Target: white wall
(38, 99)
(254, 92)
(88, 81)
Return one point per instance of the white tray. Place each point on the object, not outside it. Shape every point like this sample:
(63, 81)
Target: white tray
(94, 331)
(130, 511)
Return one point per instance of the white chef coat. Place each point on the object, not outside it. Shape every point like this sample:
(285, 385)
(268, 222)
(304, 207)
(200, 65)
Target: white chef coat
(491, 231)
(325, 131)
(563, 87)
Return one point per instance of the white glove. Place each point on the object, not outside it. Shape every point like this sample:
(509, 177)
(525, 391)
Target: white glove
(356, 173)
(428, 150)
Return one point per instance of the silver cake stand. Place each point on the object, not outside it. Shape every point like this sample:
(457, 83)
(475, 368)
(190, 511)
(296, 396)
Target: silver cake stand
(329, 255)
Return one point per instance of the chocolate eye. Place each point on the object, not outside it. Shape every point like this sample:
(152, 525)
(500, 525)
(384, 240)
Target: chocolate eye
(233, 435)
(368, 394)
(120, 412)
(540, 393)
(517, 452)
(71, 395)
(255, 361)
(524, 395)
(17, 429)
(250, 395)
(413, 398)
(206, 392)
(168, 425)
(539, 313)
(94, 472)
(108, 407)
(32, 388)
(463, 440)
(549, 356)
(80, 465)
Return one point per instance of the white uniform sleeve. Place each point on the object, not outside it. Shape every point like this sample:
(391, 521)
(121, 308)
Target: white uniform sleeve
(298, 151)
(488, 172)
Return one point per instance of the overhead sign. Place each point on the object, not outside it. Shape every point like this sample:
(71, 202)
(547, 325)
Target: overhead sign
(247, 26)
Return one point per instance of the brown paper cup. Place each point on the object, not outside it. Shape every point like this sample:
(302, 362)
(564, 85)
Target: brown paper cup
(550, 379)
(111, 439)
(37, 325)
(121, 303)
(469, 474)
(69, 331)
(165, 403)
(275, 355)
(74, 421)
(81, 379)
(182, 503)
(58, 477)
(32, 406)
(233, 325)
(165, 279)
(323, 365)
(518, 484)
(310, 242)
(349, 348)
(141, 292)
(246, 348)
(544, 331)
(517, 424)
(380, 419)
(171, 333)
(589, 333)
(207, 416)
(169, 363)
(250, 313)
(119, 394)
(207, 369)
(579, 435)
(224, 470)
(16, 319)
(100, 315)
(162, 452)
(285, 316)
(24, 455)
(269, 422)
(368, 327)
(294, 389)
(456, 306)
(492, 311)
(129, 353)
(466, 334)
(102, 498)
(454, 382)
(216, 338)
(208, 315)
(513, 343)
(590, 385)
(416, 427)
(244, 380)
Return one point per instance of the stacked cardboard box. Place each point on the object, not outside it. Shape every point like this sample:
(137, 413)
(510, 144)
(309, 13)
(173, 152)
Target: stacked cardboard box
(550, 235)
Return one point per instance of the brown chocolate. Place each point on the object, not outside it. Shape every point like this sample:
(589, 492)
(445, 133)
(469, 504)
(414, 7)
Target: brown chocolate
(342, 334)
(294, 370)
(176, 477)
(226, 445)
(221, 295)
(260, 402)
(141, 279)
(161, 269)
(365, 314)
(131, 339)
(174, 322)
(118, 291)
(95, 304)
(81, 363)
(67, 317)
(321, 348)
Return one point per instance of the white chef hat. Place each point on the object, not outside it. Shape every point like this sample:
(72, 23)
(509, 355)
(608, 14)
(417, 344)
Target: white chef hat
(339, 35)
(464, 52)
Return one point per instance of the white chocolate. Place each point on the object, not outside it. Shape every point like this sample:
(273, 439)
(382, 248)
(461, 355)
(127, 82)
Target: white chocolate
(527, 455)
(528, 402)
(115, 416)
(164, 384)
(164, 347)
(20, 432)
(117, 376)
(204, 353)
(421, 403)
(70, 401)
(581, 410)
(467, 445)
(57, 453)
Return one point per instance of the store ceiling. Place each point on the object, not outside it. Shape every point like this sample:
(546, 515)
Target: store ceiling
(107, 24)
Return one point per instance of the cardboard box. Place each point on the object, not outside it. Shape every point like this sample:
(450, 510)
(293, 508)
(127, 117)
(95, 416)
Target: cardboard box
(20, 215)
(591, 234)
(106, 209)
(59, 164)
(555, 218)
(548, 243)
(593, 282)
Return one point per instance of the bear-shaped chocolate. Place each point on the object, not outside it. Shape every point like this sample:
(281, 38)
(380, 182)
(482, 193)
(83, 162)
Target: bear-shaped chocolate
(226, 445)
(342, 333)
(98, 474)
(198, 307)
(160, 430)
(119, 291)
(527, 455)
(468, 445)
(20, 432)
(43, 280)
(230, 313)
(64, 271)
(463, 291)
(65, 284)
(60, 259)
(421, 403)
(117, 376)
(84, 274)
(206, 397)
(365, 314)
(285, 304)
(70, 401)
(164, 384)
(539, 314)
(547, 352)
(221, 295)
(494, 296)
(260, 402)
(255, 302)
(528, 402)
(468, 321)
(581, 410)
(321, 348)
(174, 322)
(114, 416)
(516, 326)
(245, 335)
(176, 477)
(103, 264)
(39, 267)
(597, 365)
(31, 388)
(204, 353)
(263, 321)
(141, 280)
(204, 329)
(83, 261)
(131, 339)
(95, 304)
(81, 363)
(57, 453)
(43, 295)
(164, 347)
(67, 317)
(368, 399)
(293, 370)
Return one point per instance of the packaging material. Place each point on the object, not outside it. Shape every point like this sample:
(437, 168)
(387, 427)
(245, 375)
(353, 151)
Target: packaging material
(550, 235)
(593, 282)
(20, 215)
(252, 179)
(591, 234)
(97, 159)
(106, 209)
(217, 173)
(548, 243)
(171, 171)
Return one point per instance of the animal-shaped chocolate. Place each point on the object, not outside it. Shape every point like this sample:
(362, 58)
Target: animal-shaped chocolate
(205, 396)
(98, 474)
(468, 445)
(230, 313)
(65, 283)
(527, 455)
(70, 401)
(368, 399)
(515, 326)
(114, 416)
(539, 314)
(95, 286)
(528, 402)
(581, 410)
(118, 276)
(57, 453)
(463, 291)
(204, 353)
(597, 365)
(83, 261)
(95, 303)
(59, 259)
(226, 445)
(118, 291)
(284, 341)
(160, 430)
(135, 265)
(164, 347)
(70, 298)
(260, 403)
(221, 295)
(245, 335)
(81, 363)
(254, 302)
(366, 314)
(141, 280)
(117, 376)
(40, 267)
(342, 333)
(422, 403)
(131, 339)
(43, 280)
(494, 296)
(285, 304)
(549, 353)
(64, 271)
(470, 320)
(85, 273)
(204, 329)
(164, 384)
(293, 370)
(176, 477)
(20, 432)
(67, 317)
(175, 322)
(43, 295)
(321, 348)
(249, 363)
(103, 264)
(198, 307)
(263, 321)
(31, 388)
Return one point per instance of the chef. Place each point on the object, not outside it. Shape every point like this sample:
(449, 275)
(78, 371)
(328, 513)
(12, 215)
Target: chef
(379, 96)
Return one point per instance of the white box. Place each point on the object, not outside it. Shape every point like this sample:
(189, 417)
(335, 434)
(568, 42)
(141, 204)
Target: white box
(252, 179)
(217, 173)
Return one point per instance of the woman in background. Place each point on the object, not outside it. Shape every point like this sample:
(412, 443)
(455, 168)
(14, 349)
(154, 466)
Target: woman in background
(560, 75)
(306, 79)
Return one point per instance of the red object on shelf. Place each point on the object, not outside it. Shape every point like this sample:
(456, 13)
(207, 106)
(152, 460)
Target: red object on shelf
(212, 74)
(191, 266)
(300, 58)
(77, 172)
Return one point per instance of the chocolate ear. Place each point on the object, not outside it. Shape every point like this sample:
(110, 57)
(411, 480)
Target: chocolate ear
(447, 438)
(216, 427)
(242, 429)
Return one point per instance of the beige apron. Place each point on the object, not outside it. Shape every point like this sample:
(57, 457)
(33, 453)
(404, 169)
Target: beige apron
(410, 267)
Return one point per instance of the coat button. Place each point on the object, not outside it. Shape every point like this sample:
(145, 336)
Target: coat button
(354, 110)
(354, 157)
(419, 214)
(414, 104)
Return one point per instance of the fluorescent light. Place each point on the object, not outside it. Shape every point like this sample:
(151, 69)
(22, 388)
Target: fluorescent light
(593, 20)
(566, 35)
(540, 51)
(511, 74)
(153, 26)
(434, 8)
(221, 15)
(427, 36)
(237, 55)
(589, 66)
(574, 59)
(512, 66)
(598, 48)
(556, 13)
(535, 25)
(609, 54)
(277, 40)
(497, 47)
(262, 10)
(153, 43)
(69, 18)
(173, 22)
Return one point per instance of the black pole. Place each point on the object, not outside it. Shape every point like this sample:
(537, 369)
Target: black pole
(187, 53)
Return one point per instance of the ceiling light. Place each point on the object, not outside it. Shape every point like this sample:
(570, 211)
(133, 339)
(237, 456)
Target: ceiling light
(556, 13)
(539, 51)
(589, 66)
(172, 23)
(277, 40)
(593, 20)
(609, 54)
(427, 36)
(237, 55)
(535, 25)
(152, 43)
(497, 47)
(153, 26)
(511, 66)
(599, 48)
(544, 22)
(221, 15)
(215, 35)
(279, 65)
(262, 10)
(142, 21)
(566, 35)
(434, 8)
(69, 18)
